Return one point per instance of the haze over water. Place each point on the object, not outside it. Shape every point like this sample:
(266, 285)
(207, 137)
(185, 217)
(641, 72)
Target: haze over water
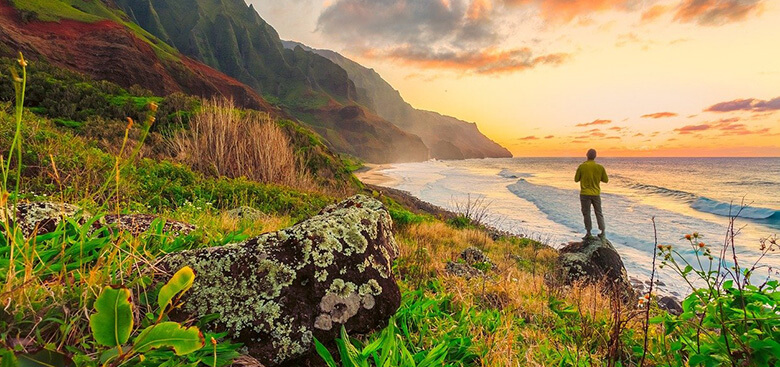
(539, 198)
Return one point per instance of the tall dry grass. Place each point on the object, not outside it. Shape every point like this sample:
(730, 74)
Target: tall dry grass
(225, 141)
(521, 294)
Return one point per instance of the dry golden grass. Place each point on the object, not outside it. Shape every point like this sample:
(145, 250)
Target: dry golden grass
(225, 141)
(517, 288)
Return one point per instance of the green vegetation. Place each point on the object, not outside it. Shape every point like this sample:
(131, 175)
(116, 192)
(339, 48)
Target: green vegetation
(88, 11)
(728, 320)
(67, 295)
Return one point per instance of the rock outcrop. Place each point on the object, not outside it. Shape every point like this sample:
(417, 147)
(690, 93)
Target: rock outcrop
(472, 263)
(277, 292)
(593, 260)
(474, 256)
(39, 218)
(671, 305)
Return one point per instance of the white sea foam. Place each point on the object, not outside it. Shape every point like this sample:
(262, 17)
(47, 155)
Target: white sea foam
(538, 198)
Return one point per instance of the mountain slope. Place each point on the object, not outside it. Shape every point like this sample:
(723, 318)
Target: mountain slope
(445, 136)
(231, 37)
(92, 38)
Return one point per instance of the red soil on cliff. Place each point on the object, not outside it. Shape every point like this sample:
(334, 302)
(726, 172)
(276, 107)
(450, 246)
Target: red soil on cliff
(106, 50)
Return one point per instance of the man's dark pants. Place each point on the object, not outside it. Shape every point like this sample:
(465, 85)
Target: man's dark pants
(587, 201)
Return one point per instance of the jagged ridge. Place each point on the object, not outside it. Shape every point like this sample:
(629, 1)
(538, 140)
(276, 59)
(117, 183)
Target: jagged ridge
(445, 136)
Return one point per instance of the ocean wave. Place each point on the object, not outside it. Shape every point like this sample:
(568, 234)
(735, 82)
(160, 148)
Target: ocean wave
(706, 205)
(684, 195)
(506, 173)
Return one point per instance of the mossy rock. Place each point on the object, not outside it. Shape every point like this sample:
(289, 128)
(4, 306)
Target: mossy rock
(278, 291)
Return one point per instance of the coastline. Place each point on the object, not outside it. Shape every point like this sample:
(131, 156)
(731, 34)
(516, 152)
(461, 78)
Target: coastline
(372, 174)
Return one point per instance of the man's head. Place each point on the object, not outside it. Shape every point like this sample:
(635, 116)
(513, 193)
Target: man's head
(592, 154)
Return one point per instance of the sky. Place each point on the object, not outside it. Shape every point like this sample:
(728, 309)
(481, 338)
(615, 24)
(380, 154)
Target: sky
(556, 77)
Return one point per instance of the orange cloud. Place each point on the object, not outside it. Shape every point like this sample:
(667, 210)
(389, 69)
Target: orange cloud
(479, 9)
(717, 12)
(724, 126)
(659, 115)
(750, 104)
(690, 129)
(566, 10)
(531, 137)
(487, 61)
(595, 122)
(655, 12)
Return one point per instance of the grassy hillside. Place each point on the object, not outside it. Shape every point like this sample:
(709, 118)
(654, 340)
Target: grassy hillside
(88, 11)
(231, 37)
(96, 38)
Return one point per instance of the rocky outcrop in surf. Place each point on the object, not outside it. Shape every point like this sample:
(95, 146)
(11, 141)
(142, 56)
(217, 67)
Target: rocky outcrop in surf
(277, 292)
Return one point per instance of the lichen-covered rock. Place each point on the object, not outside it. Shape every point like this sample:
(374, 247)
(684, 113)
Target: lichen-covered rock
(473, 255)
(42, 217)
(593, 260)
(462, 270)
(39, 218)
(140, 223)
(245, 212)
(278, 291)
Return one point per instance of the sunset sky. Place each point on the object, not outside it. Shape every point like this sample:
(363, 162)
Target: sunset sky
(555, 77)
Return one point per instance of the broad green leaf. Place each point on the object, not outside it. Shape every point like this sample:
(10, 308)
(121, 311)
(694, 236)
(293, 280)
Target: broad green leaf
(43, 358)
(169, 334)
(112, 322)
(179, 282)
(7, 358)
(109, 355)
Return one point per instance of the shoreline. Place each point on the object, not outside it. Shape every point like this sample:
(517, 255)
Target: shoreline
(371, 174)
(377, 181)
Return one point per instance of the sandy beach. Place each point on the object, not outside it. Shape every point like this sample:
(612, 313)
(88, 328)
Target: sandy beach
(372, 174)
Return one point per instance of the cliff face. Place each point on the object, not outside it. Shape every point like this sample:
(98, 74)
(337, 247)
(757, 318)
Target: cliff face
(107, 49)
(445, 136)
(231, 37)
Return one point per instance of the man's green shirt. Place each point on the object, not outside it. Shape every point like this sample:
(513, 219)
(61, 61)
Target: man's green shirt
(589, 175)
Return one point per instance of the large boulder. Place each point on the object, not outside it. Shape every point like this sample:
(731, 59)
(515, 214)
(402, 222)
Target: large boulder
(278, 291)
(593, 260)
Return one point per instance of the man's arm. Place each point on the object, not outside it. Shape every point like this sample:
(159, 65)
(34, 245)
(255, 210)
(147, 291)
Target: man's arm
(578, 175)
(604, 177)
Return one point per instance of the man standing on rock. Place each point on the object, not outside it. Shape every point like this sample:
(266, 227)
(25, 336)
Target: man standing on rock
(590, 174)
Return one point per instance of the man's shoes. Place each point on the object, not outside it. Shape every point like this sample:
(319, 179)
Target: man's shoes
(588, 237)
(602, 235)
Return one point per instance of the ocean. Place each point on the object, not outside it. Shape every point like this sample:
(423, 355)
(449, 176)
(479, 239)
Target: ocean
(538, 197)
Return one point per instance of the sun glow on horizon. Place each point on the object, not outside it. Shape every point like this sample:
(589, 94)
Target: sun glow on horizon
(671, 79)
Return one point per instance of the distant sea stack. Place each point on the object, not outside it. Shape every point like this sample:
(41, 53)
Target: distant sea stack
(445, 136)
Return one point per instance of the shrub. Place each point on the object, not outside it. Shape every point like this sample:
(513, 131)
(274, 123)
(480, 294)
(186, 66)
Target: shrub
(225, 141)
(726, 320)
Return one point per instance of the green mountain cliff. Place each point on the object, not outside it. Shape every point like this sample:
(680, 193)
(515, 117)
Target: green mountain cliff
(231, 37)
(445, 136)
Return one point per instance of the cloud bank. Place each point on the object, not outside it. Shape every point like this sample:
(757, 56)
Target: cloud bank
(460, 35)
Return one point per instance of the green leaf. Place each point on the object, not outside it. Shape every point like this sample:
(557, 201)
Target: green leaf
(43, 358)
(179, 282)
(324, 353)
(113, 321)
(169, 334)
(7, 358)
